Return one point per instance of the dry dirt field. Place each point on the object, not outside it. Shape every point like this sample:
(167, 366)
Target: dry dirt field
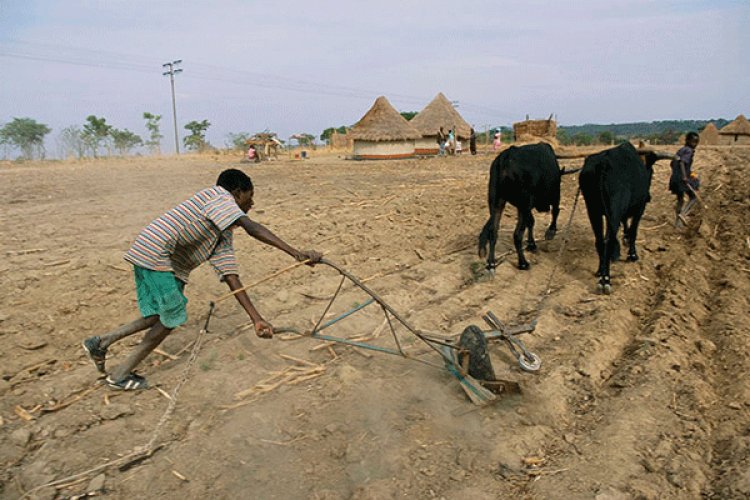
(642, 394)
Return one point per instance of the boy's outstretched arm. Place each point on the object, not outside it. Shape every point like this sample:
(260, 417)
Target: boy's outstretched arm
(261, 233)
(262, 327)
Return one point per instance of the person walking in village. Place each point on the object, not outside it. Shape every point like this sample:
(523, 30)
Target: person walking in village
(197, 230)
(472, 142)
(441, 138)
(497, 143)
(451, 142)
(683, 181)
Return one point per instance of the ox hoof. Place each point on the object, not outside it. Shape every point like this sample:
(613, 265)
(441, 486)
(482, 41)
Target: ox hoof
(531, 247)
(632, 257)
(604, 286)
(550, 234)
(524, 266)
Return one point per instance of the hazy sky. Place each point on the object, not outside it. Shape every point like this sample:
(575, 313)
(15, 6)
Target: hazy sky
(293, 66)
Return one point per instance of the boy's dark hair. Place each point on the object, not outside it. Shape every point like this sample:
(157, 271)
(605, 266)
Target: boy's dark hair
(232, 179)
(691, 135)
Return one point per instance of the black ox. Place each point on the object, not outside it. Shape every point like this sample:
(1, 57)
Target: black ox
(615, 184)
(526, 177)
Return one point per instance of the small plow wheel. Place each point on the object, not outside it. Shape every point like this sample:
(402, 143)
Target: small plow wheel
(530, 362)
(474, 347)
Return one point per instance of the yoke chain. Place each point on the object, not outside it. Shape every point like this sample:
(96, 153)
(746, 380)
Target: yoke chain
(536, 312)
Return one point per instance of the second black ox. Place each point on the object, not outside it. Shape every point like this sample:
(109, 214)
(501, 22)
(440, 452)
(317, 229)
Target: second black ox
(615, 185)
(527, 177)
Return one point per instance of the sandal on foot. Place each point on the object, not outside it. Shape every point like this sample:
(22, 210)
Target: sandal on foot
(95, 352)
(132, 382)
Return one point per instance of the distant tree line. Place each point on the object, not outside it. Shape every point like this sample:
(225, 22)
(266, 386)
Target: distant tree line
(658, 132)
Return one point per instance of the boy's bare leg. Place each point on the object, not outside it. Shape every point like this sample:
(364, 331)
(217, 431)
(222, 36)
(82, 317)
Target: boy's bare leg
(96, 347)
(151, 341)
(678, 212)
(689, 205)
(131, 328)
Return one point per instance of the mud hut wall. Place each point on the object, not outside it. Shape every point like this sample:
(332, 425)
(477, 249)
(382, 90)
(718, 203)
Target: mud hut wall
(383, 149)
(426, 146)
(341, 141)
(739, 140)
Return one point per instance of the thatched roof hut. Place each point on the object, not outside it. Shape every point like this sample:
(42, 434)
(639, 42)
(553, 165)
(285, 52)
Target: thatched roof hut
(709, 135)
(383, 133)
(736, 132)
(438, 113)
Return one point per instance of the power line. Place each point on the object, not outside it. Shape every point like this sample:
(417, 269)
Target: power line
(112, 60)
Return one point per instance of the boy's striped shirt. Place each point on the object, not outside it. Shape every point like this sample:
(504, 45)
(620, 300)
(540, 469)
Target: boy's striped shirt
(193, 232)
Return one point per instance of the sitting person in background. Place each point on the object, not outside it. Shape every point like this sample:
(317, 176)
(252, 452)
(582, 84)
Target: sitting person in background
(252, 154)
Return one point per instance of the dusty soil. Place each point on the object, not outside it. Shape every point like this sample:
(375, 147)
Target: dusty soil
(641, 394)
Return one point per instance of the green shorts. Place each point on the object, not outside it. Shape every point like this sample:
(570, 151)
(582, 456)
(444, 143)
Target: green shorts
(161, 294)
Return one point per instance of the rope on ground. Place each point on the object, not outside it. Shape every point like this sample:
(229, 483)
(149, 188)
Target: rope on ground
(537, 311)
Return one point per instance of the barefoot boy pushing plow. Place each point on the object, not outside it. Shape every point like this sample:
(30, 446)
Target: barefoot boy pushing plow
(167, 250)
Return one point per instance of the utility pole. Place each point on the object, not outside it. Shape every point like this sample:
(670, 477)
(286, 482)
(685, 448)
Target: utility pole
(171, 72)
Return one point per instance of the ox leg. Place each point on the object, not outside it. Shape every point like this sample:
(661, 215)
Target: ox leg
(552, 229)
(595, 218)
(632, 234)
(530, 242)
(523, 215)
(489, 234)
(625, 232)
(614, 253)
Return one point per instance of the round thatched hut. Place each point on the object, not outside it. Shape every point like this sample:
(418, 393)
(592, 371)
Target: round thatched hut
(736, 132)
(383, 134)
(438, 113)
(709, 135)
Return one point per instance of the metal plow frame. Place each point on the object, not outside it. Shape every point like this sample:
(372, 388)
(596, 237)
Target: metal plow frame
(455, 358)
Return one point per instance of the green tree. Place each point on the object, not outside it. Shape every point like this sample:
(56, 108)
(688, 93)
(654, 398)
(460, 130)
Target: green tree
(196, 141)
(409, 114)
(25, 134)
(237, 141)
(327, 133)
(506, 134)
(582, 139)
(152, 124)
(70, 142)
(96, 133)
(563, 137)
(125, 140)
(306, 139)
(605, 137)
